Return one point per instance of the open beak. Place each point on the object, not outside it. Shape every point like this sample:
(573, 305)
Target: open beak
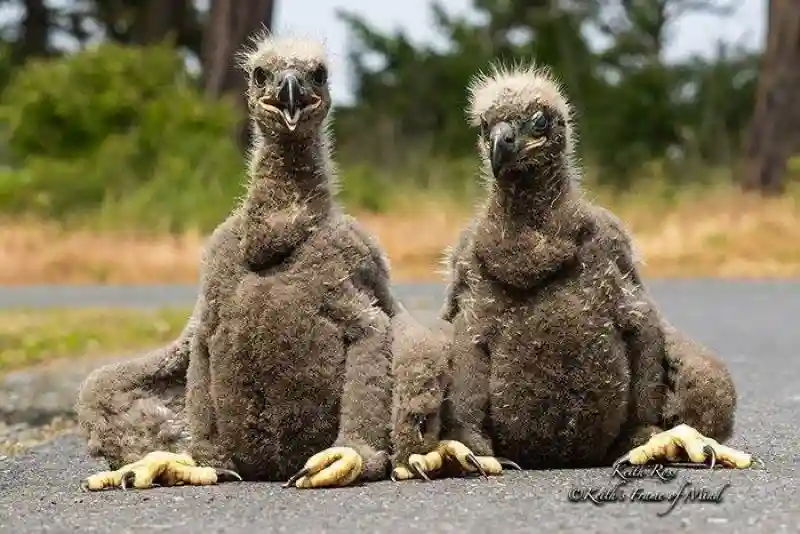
(290, 95)
(291, 99)
(503, 148)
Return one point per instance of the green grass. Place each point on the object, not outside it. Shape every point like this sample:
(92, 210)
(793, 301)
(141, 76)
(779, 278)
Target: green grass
(29, 337)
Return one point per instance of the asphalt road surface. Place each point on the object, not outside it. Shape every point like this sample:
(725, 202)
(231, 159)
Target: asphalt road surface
(754, 326)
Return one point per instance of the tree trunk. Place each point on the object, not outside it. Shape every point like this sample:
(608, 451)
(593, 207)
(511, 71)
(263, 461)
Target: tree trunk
(230, 24)
(141, 22)
(158, 19)
(35, 30)
(773, 131)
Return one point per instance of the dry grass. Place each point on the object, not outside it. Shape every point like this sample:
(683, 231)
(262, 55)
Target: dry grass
(33, 252)
(719, 232)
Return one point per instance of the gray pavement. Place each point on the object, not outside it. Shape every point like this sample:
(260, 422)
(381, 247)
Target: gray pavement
(754, 326)
(418, 295)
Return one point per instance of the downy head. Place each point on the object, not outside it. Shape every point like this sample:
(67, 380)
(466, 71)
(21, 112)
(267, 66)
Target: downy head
(288, 91)
(524, 120)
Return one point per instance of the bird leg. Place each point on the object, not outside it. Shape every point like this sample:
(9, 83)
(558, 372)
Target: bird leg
(683, 441)
(159, 468)
(336, 466)
(450, 458)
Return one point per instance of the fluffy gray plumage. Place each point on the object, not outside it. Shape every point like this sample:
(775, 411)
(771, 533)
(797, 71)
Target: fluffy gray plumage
(700, 390)
(560, 356)
(127, 409)
(289, 348)
(421, 381)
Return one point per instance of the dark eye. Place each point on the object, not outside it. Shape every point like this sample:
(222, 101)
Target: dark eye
(421, 425)
(538, 123)
(320, 75)
(260, 76)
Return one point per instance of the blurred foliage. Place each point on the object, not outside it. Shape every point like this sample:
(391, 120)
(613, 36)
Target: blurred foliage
(120, 133)
(632, 106)
(28, 337)
(115, 129)
(66, 107)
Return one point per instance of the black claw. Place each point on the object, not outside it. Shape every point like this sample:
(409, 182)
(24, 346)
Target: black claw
(475, 463)
(226, 475)
(505, 462)
(708, 450)
(418, 470)
(84, 485)
(392, 476)
(297, 476)
(419, 425)
(128, 478)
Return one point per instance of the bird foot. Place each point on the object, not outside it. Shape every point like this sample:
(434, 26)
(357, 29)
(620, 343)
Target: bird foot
(159, 468)
(683, 441)
(449, 457)
(336, 466)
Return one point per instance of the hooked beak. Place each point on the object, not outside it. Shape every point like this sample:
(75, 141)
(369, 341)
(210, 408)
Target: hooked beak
(503, 146)
(291, 96)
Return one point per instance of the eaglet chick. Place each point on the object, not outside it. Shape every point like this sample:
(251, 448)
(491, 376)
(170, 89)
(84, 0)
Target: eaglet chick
(289, 348)
(560, 358)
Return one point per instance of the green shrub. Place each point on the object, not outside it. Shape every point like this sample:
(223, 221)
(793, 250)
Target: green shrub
(121, 137)
(59, 187)
(120, 133)
(364, 187)
(68, 106)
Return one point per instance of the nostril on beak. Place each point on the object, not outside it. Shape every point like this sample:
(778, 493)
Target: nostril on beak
(287, 88)
(290, 84)
(503, 147)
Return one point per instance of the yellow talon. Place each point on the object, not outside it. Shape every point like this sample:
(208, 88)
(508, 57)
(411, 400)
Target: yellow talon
(448, 456)
(684, 440)
(402, 473)
(158, 467)
(336, 466)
